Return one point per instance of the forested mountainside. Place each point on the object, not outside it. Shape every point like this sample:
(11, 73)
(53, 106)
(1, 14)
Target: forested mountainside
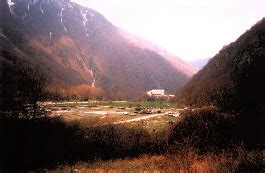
(234, 82)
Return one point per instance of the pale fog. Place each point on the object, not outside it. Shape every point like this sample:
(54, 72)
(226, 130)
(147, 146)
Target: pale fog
(189, 29)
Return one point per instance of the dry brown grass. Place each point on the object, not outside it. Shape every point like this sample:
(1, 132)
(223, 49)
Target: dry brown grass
(188, 161)
(142, 164)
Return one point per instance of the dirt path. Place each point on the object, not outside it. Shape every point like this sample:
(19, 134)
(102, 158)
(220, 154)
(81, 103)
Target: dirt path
(141, 118)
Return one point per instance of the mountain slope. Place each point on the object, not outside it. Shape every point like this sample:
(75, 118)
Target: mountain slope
(234, 82)
(80, 47)
(235, 77)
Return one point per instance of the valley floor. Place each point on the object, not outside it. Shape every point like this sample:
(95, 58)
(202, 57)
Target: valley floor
(98, 114)
(115, 137)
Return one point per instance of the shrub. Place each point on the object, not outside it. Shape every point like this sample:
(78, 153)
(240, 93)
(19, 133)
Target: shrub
(205, 129)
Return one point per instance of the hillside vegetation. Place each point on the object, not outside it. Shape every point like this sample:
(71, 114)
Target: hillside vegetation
(233, 82)
(235, 78)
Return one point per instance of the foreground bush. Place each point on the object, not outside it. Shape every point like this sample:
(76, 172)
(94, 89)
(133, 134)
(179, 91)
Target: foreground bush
(215, 141)
(47, 142)
(205, 129)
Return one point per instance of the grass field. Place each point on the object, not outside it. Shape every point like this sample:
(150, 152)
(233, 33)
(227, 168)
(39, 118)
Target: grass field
(94, 113)
(128, 104)
(154, 124)
(146, 104)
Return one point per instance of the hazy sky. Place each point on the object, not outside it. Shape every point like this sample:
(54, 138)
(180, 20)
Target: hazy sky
(190, 29)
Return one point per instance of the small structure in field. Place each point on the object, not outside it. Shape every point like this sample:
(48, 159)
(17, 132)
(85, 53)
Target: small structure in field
(156, 93)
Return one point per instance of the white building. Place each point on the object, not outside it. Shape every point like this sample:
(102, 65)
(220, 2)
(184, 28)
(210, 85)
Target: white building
(156, 93)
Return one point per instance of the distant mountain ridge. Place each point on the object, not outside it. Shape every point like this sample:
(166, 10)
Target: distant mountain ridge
(80, 47)
(199, 63)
